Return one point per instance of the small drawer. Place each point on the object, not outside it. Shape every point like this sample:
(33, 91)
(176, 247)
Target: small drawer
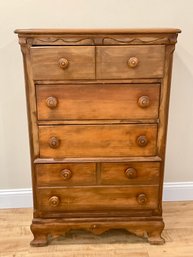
(97, 140)
(63, 62)
(110, 101)
(65, 174)
(130, 173)
(93, 199)
(122, 62)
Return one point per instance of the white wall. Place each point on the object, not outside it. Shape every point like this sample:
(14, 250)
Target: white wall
(14, 149)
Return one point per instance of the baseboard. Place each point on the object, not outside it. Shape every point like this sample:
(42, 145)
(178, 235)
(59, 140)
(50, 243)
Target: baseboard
(16, 198)
(22, 198)
(178, 191)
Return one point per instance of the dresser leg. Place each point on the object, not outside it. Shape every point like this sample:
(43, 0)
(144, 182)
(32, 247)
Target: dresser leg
(154, 235)
(155, 239)
(40, 238)
(150, 229)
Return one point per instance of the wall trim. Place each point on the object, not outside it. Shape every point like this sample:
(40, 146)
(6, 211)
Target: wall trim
(178, 191)
(16, 198)
(22, 197)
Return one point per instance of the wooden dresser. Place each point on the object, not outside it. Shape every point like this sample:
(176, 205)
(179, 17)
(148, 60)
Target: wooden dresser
(97, 109)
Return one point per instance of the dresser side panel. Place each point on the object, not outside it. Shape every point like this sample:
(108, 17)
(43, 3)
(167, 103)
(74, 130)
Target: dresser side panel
(31, 111)
(163, 113)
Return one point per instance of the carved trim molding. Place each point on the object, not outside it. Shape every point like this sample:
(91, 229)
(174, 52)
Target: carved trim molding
(103, 40)
(146, 229)
(63, 41)
(22, 41)
(138, 40)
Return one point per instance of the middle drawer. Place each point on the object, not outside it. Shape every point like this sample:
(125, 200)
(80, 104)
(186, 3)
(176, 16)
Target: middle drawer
(97, 140)
(65, 174)
(97, 101)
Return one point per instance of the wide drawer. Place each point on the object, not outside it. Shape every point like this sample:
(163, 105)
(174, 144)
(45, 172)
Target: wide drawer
(130, 173)
(121, 62)
(97, 140)
(65, 174)
(110, 101)
(63, 62)
(93, 199)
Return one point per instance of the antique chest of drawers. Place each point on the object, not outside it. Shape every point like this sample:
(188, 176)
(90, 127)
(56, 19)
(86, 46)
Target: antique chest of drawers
(97, 108)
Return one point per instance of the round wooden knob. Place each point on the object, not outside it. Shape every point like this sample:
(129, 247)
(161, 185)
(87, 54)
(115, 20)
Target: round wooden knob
(51, 102)
(54, 201)
(142, 199)
(144, 101)
(54, 142)
(66, 174)
(94, 226)
(63, 63)
(133, 62)
(131, 173)
(142, 141)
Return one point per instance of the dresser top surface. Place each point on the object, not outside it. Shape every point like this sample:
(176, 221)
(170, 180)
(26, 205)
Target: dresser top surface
(57, 31)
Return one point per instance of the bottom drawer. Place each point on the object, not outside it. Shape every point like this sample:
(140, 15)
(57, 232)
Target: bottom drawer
(93, 199)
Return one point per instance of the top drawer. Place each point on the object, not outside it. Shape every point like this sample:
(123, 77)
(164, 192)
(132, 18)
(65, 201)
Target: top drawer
(63, 62)
(122, 62)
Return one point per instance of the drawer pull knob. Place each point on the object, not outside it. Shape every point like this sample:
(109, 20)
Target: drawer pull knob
(93, 227)
(51, 102)
(131, 173)
(144, 101)
(142, 199)
(63, 63)
(133, 62)
(66, 174)
(54, 142)
(142, 141)
(54, 201)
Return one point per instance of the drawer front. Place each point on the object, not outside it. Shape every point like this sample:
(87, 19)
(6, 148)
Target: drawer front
(97, 198)
(60, 63)
(65, 174)
(121, 62)
(130, 173)
(112, 101)
(97, 140)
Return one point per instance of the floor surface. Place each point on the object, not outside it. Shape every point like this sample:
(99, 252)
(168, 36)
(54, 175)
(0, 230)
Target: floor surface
(15, 237)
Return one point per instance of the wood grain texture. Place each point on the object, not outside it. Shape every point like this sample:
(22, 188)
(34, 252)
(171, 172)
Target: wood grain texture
(163, 113)
(108, 39)
(178, 233)
(100, 81)
(99, 159)
(112, 62)
(132, 226)
(72, 31)
(45, 62)
(97, 140)
(143, 173)
(97, 122)
(94, 199)
(54, 174)
(110, 101)
(97, 112)
(31, 111)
